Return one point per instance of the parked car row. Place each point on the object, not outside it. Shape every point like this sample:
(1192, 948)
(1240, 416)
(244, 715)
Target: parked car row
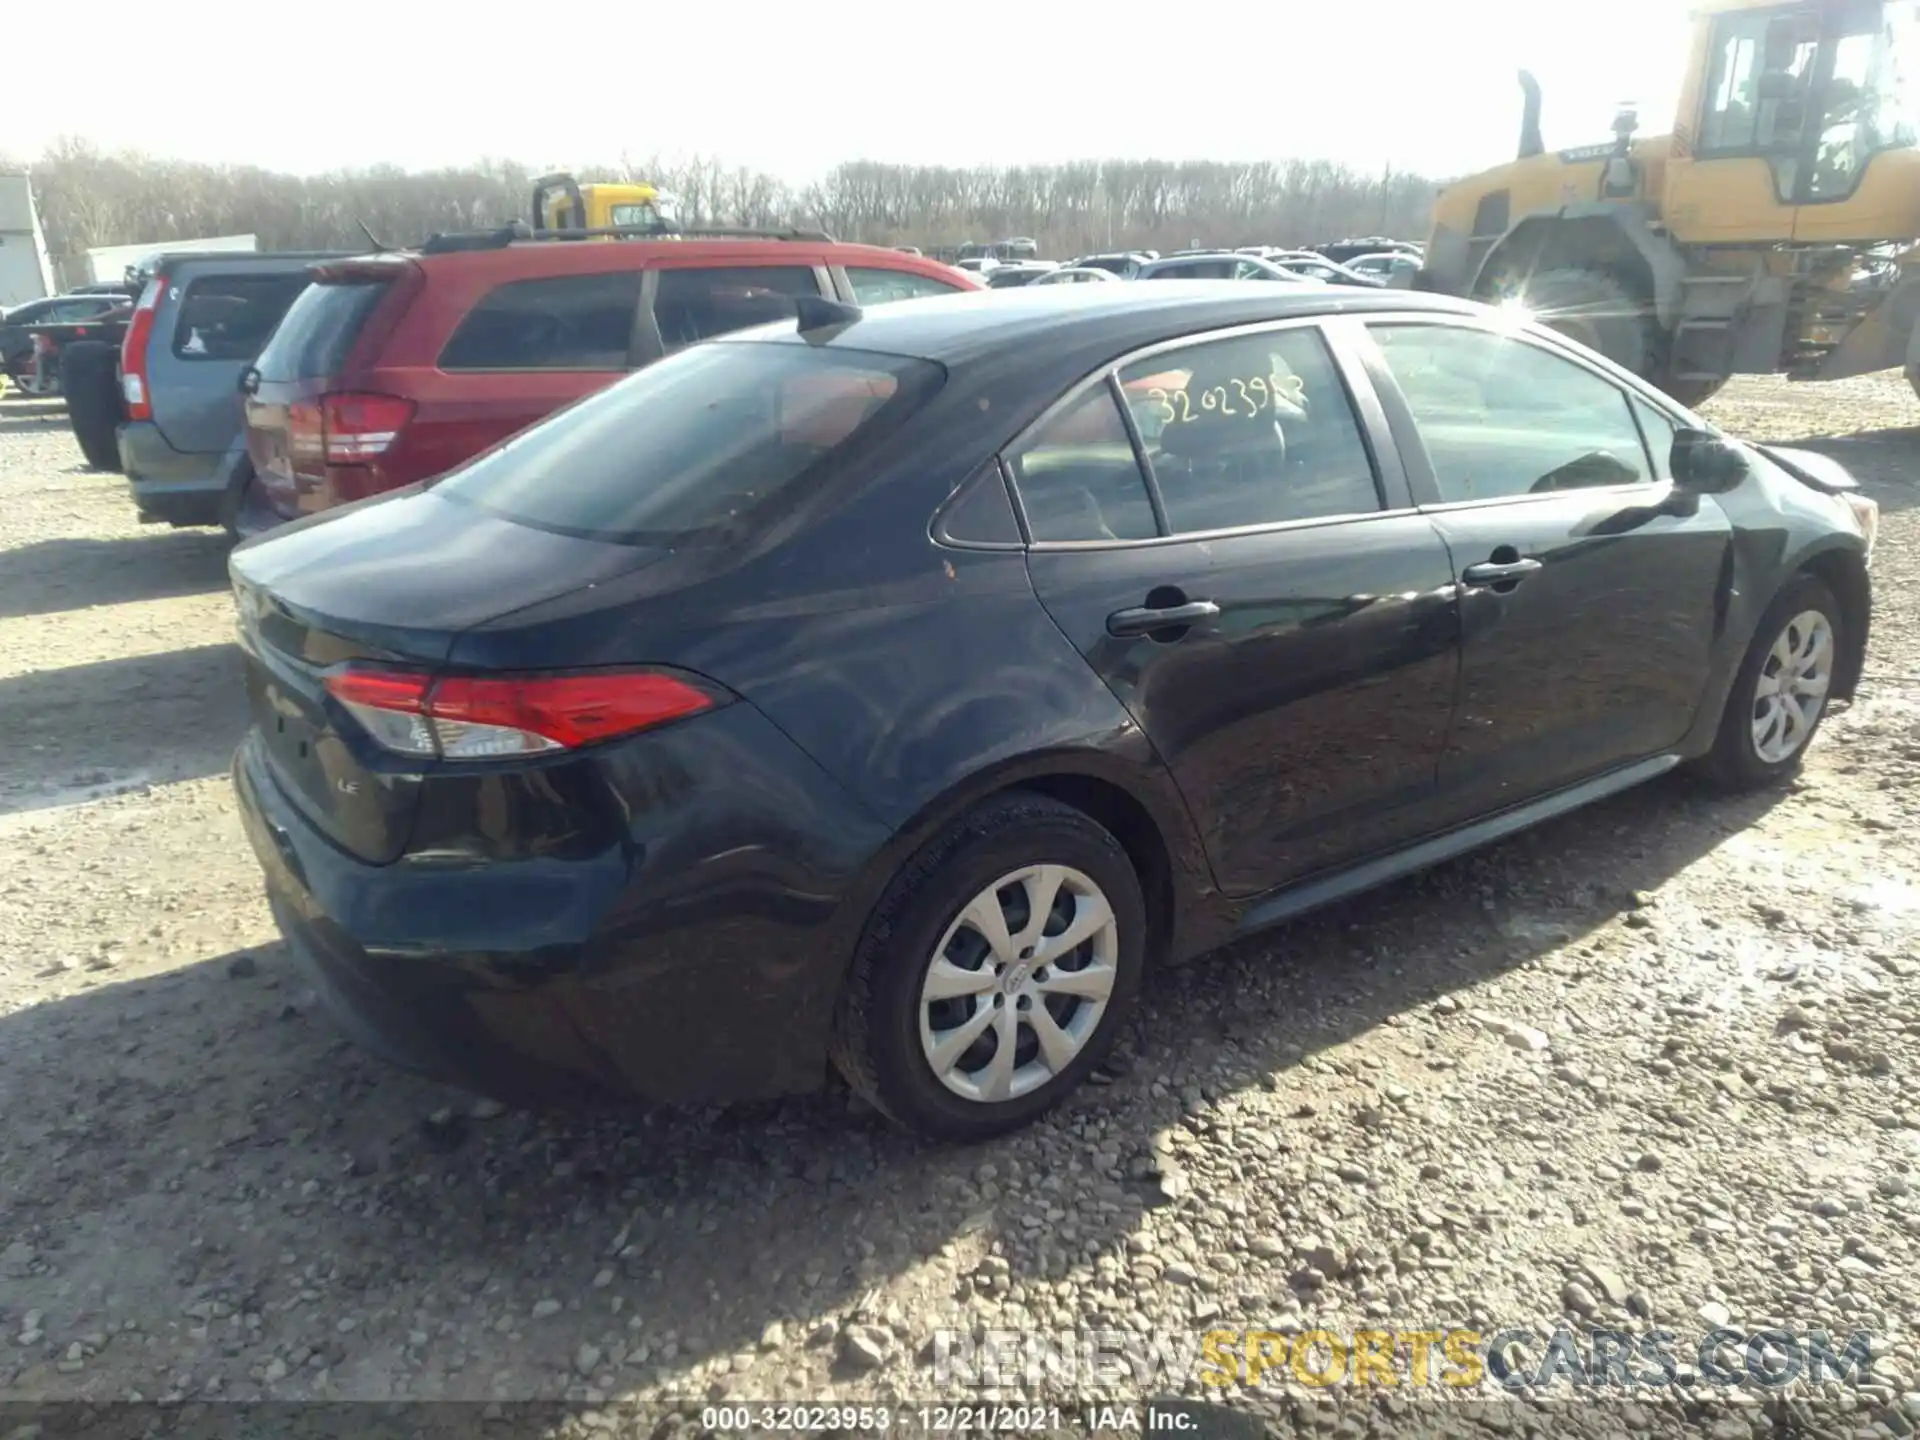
(1393, 268)
(247, 389)
(890, 686)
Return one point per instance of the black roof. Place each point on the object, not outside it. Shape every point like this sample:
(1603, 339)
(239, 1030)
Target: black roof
(955, 329)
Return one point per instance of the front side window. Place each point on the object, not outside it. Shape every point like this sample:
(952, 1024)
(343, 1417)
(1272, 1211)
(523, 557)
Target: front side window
(1864, 109)
(884, 287)
(635, 217)
(1502, 417)
(1732, 89)
(559, 322)
(1192, 270)
(698, 303)
(1252, 430)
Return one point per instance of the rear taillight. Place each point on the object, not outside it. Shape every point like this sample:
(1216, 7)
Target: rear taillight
(347, 427)
(471, 717)
(133, 351)
(359, 427)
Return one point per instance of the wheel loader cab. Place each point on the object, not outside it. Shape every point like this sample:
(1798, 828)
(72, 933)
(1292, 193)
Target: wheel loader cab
(1795, 125)
(562, 203)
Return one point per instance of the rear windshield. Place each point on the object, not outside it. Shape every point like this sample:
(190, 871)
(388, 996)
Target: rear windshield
(229, 317)
(701, 446)
(319, 330)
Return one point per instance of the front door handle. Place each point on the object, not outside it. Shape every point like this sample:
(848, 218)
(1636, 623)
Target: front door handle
(1499, 572)
(1126, 623)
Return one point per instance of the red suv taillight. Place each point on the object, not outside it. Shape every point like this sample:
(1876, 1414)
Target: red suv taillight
(133, 351)
(469, 717)
(346, 427)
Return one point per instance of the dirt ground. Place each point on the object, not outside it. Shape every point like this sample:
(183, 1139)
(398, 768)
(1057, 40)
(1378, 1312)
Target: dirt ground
(1652, 1064)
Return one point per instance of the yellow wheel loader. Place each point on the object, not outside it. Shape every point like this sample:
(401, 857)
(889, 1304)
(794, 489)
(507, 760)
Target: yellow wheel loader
(1777, 228)
(561, 202)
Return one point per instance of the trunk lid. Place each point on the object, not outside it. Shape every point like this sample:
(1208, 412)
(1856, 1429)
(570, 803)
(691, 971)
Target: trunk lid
(394, 580)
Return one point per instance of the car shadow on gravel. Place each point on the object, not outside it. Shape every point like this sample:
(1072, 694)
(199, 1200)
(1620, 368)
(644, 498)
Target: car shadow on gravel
(142, 718)
(49, 576)
(207, 1127)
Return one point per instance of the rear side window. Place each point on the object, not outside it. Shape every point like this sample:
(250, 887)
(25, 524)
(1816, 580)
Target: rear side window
(1253, 430)
(319, 329)
(883, 287)
(698, 303)
(1079, 478)
(703, 446)
(231, 317)
(560, 322)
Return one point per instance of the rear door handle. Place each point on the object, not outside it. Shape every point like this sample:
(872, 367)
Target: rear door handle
(1144, 621)
(1496, 572)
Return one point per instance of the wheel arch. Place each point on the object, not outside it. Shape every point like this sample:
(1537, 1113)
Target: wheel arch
(1128, 796)
(1616, 239)
(1844, 572)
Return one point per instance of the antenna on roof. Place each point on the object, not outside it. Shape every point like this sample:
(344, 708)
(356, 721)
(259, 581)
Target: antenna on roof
(372, 239)
(817, 312)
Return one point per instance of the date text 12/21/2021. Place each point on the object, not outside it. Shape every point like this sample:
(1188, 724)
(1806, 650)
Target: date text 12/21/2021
(1173, 1418)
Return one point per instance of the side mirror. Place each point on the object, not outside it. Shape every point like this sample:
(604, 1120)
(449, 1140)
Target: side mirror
(1706, 463)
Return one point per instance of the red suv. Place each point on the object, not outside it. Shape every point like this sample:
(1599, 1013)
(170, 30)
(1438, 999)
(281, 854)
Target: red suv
(391, 368)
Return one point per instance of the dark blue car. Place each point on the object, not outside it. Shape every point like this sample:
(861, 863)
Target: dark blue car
(893, 689)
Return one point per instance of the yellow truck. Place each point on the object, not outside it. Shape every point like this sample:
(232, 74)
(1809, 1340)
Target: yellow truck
(561, 202)
(1776, 227)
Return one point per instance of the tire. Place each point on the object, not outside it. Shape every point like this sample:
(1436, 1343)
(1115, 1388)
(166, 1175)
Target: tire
(242, 494)
(886, 1031)
(1739, 760)
(1597, 310)
(89, 375)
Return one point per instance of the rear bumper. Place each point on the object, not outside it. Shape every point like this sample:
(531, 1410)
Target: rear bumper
(697, 959)
(169, 485)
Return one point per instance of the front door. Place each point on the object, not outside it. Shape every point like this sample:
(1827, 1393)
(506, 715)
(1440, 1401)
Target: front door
(1587, 583)
(1217, 546)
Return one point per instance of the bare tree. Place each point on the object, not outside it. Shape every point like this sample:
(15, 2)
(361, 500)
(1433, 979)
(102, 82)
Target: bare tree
(89, 197)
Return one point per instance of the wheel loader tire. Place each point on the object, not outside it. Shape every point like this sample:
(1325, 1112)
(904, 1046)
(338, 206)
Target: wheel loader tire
(1600, 312)
(88, 375)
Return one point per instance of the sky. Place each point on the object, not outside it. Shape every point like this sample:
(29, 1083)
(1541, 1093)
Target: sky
(1421, 85)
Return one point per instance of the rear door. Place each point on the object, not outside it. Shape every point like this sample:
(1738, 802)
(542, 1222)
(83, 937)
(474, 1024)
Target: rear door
(523, 350)
(1236, 553)
(1589, 586)
(212, 327)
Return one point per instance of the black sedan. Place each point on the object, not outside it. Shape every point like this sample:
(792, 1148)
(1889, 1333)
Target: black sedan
(893, 689)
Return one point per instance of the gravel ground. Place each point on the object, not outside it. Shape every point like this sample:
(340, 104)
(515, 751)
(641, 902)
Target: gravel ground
(1650, 1064)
